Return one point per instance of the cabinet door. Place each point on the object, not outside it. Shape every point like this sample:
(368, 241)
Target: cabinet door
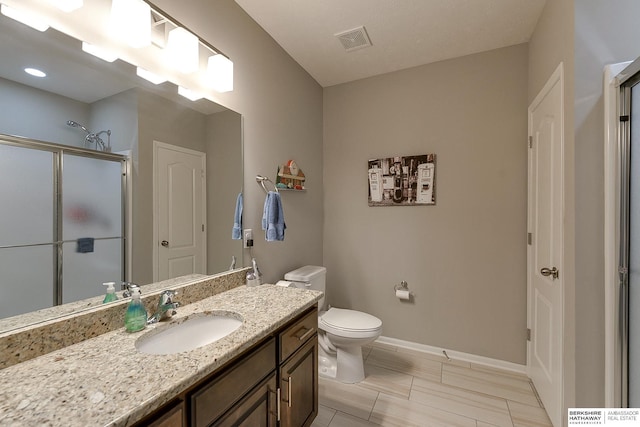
(171, 417)
(299, 386)
(258, 409)
(217, 396)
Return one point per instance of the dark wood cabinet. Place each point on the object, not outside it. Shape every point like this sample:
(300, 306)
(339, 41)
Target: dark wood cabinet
(299, 386)
(274, 383)
(298, 371)
(173, 416)
(222, 393)
(257, 409)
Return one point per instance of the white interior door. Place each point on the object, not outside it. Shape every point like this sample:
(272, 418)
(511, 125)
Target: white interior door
(180, 211)
(545, 251)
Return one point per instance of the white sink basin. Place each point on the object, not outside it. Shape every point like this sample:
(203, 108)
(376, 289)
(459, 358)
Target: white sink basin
(195, 331)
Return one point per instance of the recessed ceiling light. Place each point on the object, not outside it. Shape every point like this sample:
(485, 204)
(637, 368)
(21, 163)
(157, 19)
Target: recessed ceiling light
(35, 72)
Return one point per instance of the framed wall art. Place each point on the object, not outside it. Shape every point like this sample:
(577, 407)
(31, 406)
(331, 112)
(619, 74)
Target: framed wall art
(402, 181)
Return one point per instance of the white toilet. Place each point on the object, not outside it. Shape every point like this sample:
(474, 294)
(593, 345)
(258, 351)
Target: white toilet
(342, 333)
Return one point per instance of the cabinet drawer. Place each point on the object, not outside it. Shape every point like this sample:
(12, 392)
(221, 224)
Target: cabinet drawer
(297, 334)
(216, 397)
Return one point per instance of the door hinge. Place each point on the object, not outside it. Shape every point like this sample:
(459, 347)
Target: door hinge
(528, 334)
(530, 142)
(624, 118)
(202, 227)
(529, 239)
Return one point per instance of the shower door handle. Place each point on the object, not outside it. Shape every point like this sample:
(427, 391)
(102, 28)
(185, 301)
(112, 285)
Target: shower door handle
(164, 243)
(553, 272)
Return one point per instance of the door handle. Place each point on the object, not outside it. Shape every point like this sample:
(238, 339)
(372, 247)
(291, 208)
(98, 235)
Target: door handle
(164, 243)
(553, 272)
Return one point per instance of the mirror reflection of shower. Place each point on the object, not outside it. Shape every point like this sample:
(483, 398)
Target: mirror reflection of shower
(92, 139)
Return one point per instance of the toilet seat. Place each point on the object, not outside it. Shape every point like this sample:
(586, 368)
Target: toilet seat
(349, 323)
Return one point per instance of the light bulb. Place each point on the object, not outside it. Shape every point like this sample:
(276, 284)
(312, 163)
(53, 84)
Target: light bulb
(183, 50)
(131, 22)
(220, 73)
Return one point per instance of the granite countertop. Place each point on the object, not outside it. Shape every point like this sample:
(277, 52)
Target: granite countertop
(105, 381)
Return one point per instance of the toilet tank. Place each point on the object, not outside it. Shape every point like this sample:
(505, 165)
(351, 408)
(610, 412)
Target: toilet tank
(309, 277)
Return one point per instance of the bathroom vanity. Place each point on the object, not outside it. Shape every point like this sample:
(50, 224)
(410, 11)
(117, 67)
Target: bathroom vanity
(275, 381)
(264, 373)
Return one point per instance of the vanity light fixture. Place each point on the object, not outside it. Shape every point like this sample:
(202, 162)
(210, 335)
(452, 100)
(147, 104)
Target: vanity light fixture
(67, 5)
(220, 73)
(27, 18)
(149, 76)
(131, 22)
(183, 51)
(35, 72)
(189, 94)
(99, 52)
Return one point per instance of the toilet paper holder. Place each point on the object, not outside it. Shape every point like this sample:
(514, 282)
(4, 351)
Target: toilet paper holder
(402, 286)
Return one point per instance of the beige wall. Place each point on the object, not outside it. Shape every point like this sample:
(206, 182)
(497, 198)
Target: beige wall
(282, 110)
(465, 258)
(224, 167)
(552, 43)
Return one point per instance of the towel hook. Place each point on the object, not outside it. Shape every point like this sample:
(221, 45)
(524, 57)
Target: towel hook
(261, 179)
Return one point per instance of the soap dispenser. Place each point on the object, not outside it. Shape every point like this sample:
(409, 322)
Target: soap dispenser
(111, 292)
(135, 318)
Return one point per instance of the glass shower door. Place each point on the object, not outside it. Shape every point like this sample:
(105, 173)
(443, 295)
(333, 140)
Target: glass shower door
(92, 225)
(633, 297)
(27, 230)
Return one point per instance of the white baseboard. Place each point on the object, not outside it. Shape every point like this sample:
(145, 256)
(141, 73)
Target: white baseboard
(456, 355)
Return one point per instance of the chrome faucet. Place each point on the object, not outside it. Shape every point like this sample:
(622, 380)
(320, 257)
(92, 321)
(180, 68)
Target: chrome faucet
(126, 287)
(166, 307)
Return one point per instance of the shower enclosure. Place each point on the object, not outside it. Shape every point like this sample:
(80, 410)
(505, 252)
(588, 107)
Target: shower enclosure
(62, 223)
(629, 238)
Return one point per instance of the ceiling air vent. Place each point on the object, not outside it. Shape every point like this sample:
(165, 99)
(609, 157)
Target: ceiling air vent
(354, 39)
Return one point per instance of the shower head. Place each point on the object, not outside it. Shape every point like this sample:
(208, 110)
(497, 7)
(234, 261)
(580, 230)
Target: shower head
(77, 125)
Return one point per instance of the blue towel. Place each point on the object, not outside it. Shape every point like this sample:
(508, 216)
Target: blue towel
(84, 245)
(273, 218)
(236, 233)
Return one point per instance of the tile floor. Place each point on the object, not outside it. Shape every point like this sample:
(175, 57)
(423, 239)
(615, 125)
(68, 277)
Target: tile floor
(410, 388)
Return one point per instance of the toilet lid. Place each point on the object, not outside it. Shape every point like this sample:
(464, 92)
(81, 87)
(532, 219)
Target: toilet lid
(351, 320)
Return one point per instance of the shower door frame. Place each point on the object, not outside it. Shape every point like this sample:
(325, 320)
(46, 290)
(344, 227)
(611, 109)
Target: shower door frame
(619, 79)
(58, 151)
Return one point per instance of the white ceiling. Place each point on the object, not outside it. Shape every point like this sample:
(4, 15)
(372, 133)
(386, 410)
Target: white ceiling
(404, 33)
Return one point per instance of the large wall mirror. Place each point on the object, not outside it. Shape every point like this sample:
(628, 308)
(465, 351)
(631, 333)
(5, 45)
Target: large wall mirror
(83, 95)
